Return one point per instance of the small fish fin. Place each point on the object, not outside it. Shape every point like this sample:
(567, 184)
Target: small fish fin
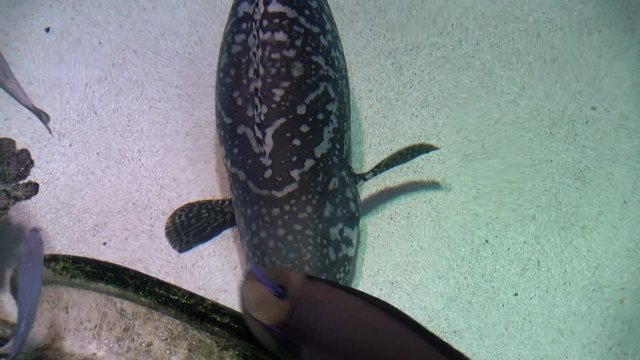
(43, 116)
(10, 84)
(198, 222)
(397, 158)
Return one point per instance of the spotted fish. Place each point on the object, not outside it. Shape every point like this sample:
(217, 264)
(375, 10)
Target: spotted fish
(283, 119)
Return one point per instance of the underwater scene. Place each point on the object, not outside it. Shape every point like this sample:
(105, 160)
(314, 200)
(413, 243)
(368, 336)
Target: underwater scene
(320, 179)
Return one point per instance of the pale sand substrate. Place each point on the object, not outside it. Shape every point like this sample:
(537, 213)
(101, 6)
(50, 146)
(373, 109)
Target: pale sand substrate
(529, 250)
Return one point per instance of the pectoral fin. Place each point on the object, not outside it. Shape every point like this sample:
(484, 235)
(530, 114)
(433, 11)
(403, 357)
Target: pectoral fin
(42, 116)
(10, 84)
(198, 222)
(397, 158)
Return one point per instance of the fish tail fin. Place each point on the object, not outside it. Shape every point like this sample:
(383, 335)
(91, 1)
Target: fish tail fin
(198, 222)
(43, 116)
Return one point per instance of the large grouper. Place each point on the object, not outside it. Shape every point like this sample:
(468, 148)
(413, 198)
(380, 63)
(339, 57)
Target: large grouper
(283, 120)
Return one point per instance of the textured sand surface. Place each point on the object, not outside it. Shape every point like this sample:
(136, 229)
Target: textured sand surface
(528, 251)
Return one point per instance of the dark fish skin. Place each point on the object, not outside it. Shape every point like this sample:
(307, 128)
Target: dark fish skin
(283, 117)
(283, 120)
(10, 84)
(303, 317)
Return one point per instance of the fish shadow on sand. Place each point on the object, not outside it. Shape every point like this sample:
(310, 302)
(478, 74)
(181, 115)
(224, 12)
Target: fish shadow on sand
(372, 202)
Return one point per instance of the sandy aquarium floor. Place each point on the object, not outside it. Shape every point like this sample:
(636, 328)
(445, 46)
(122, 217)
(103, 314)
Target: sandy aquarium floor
(529, 247)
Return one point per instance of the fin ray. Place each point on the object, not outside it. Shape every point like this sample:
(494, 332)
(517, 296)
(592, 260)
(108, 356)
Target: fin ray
(399, 157)
(198, 222)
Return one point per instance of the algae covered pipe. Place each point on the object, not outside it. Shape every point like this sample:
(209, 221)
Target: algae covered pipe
(217, 321)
